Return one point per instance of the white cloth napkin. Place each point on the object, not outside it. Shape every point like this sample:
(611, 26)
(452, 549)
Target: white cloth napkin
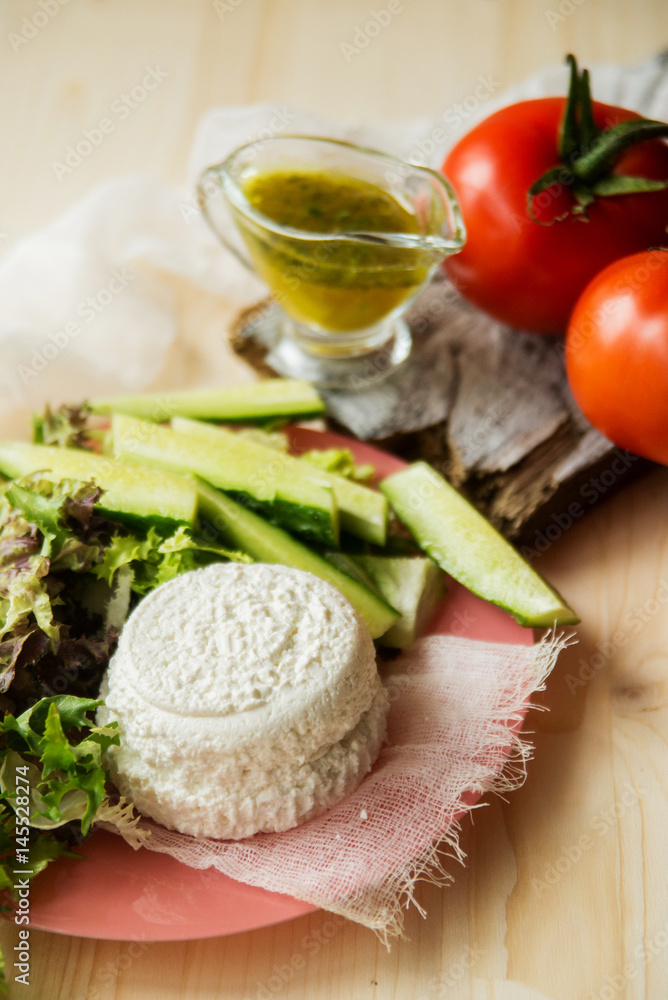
(84, 304)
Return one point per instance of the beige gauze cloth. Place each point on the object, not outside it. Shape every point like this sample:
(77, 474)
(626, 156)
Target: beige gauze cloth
(456, 706)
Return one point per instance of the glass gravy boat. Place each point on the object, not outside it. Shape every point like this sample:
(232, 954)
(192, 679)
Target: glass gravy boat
(345, 237)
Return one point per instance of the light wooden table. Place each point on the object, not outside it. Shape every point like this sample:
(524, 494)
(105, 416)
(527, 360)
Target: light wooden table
(564, 892)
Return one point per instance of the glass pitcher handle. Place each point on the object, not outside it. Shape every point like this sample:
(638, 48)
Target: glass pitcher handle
(209, 192)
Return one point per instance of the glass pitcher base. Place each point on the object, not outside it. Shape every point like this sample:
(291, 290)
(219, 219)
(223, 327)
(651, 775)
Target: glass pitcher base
(290, 358)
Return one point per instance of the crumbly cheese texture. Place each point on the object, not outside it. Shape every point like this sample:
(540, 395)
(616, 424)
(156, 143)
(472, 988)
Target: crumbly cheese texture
(248, 700)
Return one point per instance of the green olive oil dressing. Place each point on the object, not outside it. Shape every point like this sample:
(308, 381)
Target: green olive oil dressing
(331, 284)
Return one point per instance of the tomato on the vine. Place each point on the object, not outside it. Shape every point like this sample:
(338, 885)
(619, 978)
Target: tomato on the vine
(617, 353)
(599, 197)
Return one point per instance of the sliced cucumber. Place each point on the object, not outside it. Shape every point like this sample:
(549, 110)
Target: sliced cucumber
(467, 547)
(266, 543)
(257, 401)
(362, 511)
(130, 493)
(412, 585)
(297, 503)
(349, 565)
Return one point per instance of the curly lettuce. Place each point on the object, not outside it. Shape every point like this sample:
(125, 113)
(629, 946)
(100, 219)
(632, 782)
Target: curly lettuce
(53, 788)
(68, 580)
(340, 461)
(65, 427)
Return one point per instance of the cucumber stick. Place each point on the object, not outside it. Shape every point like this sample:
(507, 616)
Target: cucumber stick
(247, 531)
(130, 493)
(362, 511)
(467, 547)
(414, 585)
(297, 503)
(259, 401)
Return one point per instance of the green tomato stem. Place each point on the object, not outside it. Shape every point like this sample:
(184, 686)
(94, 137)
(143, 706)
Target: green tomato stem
(588, 154)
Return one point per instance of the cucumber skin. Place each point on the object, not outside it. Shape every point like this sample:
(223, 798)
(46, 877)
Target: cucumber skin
(561, 614)
(18, 459)
(148, 444)
(307, 522)
(268, 543)
(349, 495)
(257, 402)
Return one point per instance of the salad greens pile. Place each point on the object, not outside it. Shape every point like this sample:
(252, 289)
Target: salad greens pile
(52, 788)
(68, 580)
(70, 574)
(54, 749)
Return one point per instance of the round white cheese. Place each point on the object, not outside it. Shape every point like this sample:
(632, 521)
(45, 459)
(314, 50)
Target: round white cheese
(247, 698)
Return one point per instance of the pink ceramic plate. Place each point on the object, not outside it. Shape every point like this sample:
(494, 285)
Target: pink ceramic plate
(121, 894)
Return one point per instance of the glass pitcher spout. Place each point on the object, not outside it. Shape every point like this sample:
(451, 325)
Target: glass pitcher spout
(344, 236)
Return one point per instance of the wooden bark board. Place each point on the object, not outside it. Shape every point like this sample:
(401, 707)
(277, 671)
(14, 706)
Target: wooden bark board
(486, 405)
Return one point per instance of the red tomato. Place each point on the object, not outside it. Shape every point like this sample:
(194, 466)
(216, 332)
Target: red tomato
(617, 353)
(523, 273)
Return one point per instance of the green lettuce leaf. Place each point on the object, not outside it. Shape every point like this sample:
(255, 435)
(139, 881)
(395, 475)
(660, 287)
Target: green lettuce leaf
(58, 753)
(69, 579)
(340, 461)
(155, 559)
(183, 551)
(124, 550)
(50, 539)
(66, 427)
(65, 772)
(40, 524)
(58, 511)
(22, 569)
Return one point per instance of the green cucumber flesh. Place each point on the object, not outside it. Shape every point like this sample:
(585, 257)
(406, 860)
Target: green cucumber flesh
(466, 546)
(414, 585)
(256, 402)
(362, 511)
(297, 503)
(265, 542)
(130, 493)
(349, 565)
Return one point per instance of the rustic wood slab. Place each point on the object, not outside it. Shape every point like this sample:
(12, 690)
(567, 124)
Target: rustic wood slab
(486, 405)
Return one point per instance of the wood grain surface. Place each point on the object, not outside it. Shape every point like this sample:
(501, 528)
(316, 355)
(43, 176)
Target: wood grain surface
(563, 896)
